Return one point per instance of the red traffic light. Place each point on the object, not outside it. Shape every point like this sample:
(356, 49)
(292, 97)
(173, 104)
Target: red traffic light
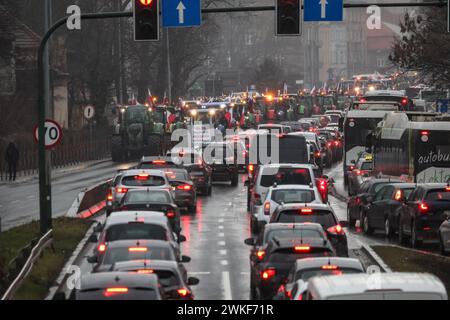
(146, 2)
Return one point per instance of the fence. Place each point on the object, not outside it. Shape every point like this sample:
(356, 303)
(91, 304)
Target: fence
(73, 150)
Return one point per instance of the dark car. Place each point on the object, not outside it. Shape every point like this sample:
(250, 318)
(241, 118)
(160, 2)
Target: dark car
(327, 152)
(119, 286)
(185, 190)
(169, 275)
(271, 271)
(356, 203)
(383, 211)
(315, 213)
(360, 173)
(153, 200)
(220, 156)
(334, 141)
(423, 213)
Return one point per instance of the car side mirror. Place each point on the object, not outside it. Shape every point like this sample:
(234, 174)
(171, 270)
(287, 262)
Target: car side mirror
(192, 281)
(98, 227)
(92, 259)
(249, 242)
(185, 259)
(93, 238)
(181, 238)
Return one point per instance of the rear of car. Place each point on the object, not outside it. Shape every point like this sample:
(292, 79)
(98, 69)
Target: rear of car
(185, 190)
(322, 214)
(220, 156)
(359, 174)
(199, 171)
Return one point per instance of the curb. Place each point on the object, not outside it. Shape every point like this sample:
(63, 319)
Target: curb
(369, 251)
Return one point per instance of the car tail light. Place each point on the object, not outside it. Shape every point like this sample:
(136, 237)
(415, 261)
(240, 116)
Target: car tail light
(101, 247)
(170, 214)
(336, 143)
(447, 188)
(336, 230)
(300, 171)
(329, 267)
(404, 101)
(306, 211)
(317, 154)
(267, 208)
(121, 190)
(113, 291)
(109, 197)
(302, 248)
(142, 177)
(260, 254)
(362, 100)
(398, 195)
(329, 144)
(183, 292)
(323, 189)
(185, 187)
(351, 168)
(145, 271)
(251, 168)
(268, 273)
(159, 162)
(423, 207)
(137, 249)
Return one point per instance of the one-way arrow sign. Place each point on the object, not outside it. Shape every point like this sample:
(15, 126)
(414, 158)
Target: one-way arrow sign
(323, 4)
(323, 10)
(181, 13)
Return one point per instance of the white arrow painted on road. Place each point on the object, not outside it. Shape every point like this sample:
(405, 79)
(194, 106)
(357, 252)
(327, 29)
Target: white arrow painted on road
(323, 4)
(181, 9)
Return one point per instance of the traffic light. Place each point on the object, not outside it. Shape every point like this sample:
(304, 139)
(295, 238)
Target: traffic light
(288, 17)
(146, 20)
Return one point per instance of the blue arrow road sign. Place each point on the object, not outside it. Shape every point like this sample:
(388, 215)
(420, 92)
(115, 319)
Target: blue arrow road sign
(181, 13)
(323, 10)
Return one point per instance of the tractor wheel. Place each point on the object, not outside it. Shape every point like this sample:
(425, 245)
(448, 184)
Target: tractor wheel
(116, 149)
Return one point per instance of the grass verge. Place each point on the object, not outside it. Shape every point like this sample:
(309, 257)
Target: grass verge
(67, 233)
(404, 260)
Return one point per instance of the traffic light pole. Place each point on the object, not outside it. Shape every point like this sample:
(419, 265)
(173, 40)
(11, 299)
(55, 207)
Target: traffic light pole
(45, 200)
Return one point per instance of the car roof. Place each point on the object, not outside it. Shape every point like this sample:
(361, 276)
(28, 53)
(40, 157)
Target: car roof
(146, 264)
(102, 280)
(150, 217)
(403, 185)
(349, 284)
(433, 185)
(340, 262)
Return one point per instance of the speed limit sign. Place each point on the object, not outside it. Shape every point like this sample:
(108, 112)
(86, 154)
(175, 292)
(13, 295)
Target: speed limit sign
(53, 133)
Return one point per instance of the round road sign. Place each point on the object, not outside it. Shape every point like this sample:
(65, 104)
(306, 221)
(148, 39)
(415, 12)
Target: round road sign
(89, 112)
(53, 133)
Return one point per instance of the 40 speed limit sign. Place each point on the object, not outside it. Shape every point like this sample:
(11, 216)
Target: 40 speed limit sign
(53, 133)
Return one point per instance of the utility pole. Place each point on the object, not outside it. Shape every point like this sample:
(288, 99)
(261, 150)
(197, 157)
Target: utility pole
(169, 72)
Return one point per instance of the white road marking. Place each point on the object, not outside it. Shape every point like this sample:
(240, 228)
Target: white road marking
(220, 227)
(222, 243)
(31, 197)
(226, 283)
(15, 201)
(221, 220)
(224, 262)
(245, 273)
(221, 234)
(223, 252)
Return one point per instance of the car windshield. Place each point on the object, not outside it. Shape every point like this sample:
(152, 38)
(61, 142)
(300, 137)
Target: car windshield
(293, 196)
(144, 181)
(438, 195)
(285, 176)
(324, 218)
(291, 233)
(147, 197)
(305, 275)
(114, 255)
(377, 186)
(133, 231)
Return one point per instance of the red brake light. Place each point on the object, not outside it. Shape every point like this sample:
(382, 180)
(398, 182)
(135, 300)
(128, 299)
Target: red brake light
(362, 100)
(398, 195)
(336, 143)
(145, 271)
(302, 248)
(317, 154)
(424, 133)
(404, 101)
(329, 267)
(170, 214)
(267, 208)
(185, 187)
(113, 291)
(251, 168)
(137, 249)
(101, 248)
(146, 2)
(183, 292)
(305, 210)
(121, 190)
(268, 273)
(159, 162)
(142, 177)
(447, 189)
(260, 254)
(336, 230)
(423, 207)
(109, 197)
(329, 144)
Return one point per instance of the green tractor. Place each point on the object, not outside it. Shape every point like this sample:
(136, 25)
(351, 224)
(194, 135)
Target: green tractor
(139, 132)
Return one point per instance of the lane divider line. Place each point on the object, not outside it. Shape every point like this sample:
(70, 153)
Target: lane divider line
(226, 283)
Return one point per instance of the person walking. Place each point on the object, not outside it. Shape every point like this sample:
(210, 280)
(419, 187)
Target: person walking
(12, 158)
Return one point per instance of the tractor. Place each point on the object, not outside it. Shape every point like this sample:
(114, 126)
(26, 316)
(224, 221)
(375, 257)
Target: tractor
(139, 132)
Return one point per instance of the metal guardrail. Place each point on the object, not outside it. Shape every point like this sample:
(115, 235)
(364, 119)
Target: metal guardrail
(36, 251)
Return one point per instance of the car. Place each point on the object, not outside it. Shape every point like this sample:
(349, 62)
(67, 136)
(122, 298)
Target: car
(265, 177)
(356, 203)
(238, 143)
(378, 286)
(185, 190)
(220, 156)
(127, 250)
(291, 193)
(382, 212)
(134, 179)
(169, 275)
(315, 213)
(326, 151)
(160, 200)
(132, 225)
(444, 236)
(275, 128)
(305, 269)
(423, 213)
(312, 138)
(360, 173)
(159, 162)
(334, 140)
(270, 272)
(119, 286)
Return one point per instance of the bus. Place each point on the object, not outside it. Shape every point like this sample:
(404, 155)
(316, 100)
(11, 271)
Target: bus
(414, 146)
(358, 125)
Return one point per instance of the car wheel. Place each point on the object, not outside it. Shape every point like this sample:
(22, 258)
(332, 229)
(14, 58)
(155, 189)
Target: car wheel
(415, 243)
(351, 222)
(366, 225)
(388, 230)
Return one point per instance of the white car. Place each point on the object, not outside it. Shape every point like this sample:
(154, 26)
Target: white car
(279, 195)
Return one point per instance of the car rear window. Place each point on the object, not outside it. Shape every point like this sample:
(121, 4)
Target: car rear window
(150, 165)
(147, 197)
(293, 196)
(284, 176)
(176, 176)
(292, 234)
(291, 149)
(114, 255)
(438, 195)
(305, 275)
(150, 181)
(290, 255)
(132, 294)
(132, 231)
(322, 217)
